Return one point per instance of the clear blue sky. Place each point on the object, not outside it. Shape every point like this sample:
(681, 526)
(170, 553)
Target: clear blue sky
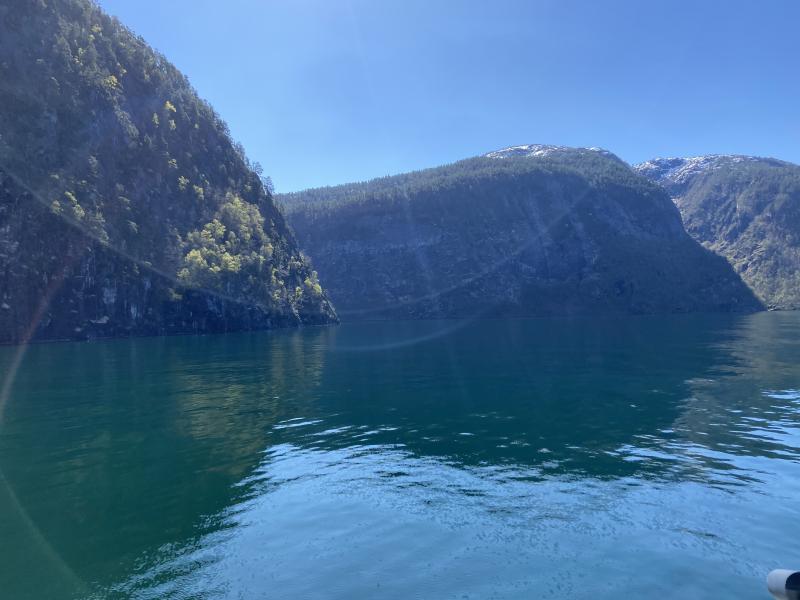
(329, 91)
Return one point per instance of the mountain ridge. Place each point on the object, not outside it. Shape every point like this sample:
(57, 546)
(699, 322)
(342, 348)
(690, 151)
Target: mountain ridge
(528, 230)
(123, 199)
(744, 208)
(544, 150)
(678, 169)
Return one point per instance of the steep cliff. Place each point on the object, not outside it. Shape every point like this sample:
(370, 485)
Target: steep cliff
(529, 230)
(744, 208)
(124, 206)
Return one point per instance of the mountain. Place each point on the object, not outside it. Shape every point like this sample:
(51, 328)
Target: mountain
(125, 208)
(528, 230)
(744, 208)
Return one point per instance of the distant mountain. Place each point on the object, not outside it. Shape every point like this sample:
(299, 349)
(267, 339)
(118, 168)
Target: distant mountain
(745, 208)
(528, 230)
(124, 206)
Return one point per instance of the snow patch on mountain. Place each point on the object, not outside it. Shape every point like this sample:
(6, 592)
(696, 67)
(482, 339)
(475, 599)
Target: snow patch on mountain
(541, 150)
(679, 170)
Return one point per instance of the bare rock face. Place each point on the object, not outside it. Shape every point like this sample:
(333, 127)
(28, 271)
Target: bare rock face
(529, 230)
(125, 208)
(744, 208)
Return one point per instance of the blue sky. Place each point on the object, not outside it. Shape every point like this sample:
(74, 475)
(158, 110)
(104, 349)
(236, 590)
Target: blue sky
(328, 91)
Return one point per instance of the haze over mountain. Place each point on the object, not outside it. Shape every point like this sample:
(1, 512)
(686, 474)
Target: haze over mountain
(528, 230)
(744, 208)
(125, 208)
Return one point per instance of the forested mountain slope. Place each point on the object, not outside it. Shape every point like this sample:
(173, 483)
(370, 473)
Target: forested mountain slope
(530, 230)
(745, 208)
(124, 206)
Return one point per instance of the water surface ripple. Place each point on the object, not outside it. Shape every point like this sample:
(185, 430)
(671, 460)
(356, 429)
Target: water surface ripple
(558, 458)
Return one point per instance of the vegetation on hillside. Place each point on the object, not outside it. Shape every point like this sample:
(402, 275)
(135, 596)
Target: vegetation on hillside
(748, 210)
(109, 157)
(575, 231)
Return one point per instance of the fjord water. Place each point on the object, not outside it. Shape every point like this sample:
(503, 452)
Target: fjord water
(563, 458)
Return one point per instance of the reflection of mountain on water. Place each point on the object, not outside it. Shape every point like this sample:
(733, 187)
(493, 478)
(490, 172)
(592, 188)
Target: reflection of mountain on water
(748, 404)
(140, 444)
(555, 397)
(517, 448)
(166, 443)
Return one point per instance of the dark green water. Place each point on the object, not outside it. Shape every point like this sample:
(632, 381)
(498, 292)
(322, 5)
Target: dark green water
(616, 458)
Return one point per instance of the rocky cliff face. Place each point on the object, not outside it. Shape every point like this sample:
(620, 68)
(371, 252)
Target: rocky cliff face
(529, 230)
(744, 208)
(124, 206)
